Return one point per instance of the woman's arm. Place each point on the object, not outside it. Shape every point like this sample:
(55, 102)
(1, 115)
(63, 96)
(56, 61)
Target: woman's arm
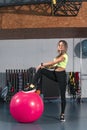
(59, 59)
(50, 63)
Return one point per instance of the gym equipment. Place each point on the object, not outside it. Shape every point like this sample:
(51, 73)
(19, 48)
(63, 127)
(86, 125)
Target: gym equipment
(26, 107)
(74, 85)
(3, 93)
(81, 49)
(84, 48)
(16, 80)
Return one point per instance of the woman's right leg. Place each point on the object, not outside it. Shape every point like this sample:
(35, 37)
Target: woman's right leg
(62, 85)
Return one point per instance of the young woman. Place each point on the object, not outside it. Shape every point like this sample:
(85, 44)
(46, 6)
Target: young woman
(58, 74)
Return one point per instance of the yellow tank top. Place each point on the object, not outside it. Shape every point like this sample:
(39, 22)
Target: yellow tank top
(62, 64)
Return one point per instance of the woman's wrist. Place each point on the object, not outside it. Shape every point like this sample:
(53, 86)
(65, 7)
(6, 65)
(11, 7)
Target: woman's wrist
(41, 64)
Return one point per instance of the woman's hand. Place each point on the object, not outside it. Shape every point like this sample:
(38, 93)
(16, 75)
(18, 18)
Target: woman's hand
(39, 67)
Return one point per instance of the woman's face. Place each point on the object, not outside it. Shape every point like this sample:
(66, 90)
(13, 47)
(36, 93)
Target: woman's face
(61, 47)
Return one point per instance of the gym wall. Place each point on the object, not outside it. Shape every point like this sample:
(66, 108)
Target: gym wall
(25, 53)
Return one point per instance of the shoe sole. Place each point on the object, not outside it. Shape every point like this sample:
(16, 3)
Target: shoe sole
(62, 120)
(31, 91)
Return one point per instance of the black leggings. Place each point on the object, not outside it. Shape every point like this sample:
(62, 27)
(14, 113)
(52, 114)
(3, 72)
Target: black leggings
(58, 76)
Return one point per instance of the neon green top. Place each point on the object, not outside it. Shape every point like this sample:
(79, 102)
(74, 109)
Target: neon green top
(63, 64)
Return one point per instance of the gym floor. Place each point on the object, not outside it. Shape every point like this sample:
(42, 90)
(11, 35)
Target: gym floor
(76, 117)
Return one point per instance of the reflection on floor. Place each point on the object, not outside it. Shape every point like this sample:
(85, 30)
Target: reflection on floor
(76, 117)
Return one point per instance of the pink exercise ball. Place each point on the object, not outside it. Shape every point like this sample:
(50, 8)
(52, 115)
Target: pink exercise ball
(26, 107)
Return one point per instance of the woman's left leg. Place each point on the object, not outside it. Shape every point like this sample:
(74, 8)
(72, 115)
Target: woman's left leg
(38, 76)
(48, 73)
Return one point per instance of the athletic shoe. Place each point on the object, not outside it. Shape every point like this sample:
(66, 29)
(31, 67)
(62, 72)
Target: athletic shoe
(31, 88)
(62, 118)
